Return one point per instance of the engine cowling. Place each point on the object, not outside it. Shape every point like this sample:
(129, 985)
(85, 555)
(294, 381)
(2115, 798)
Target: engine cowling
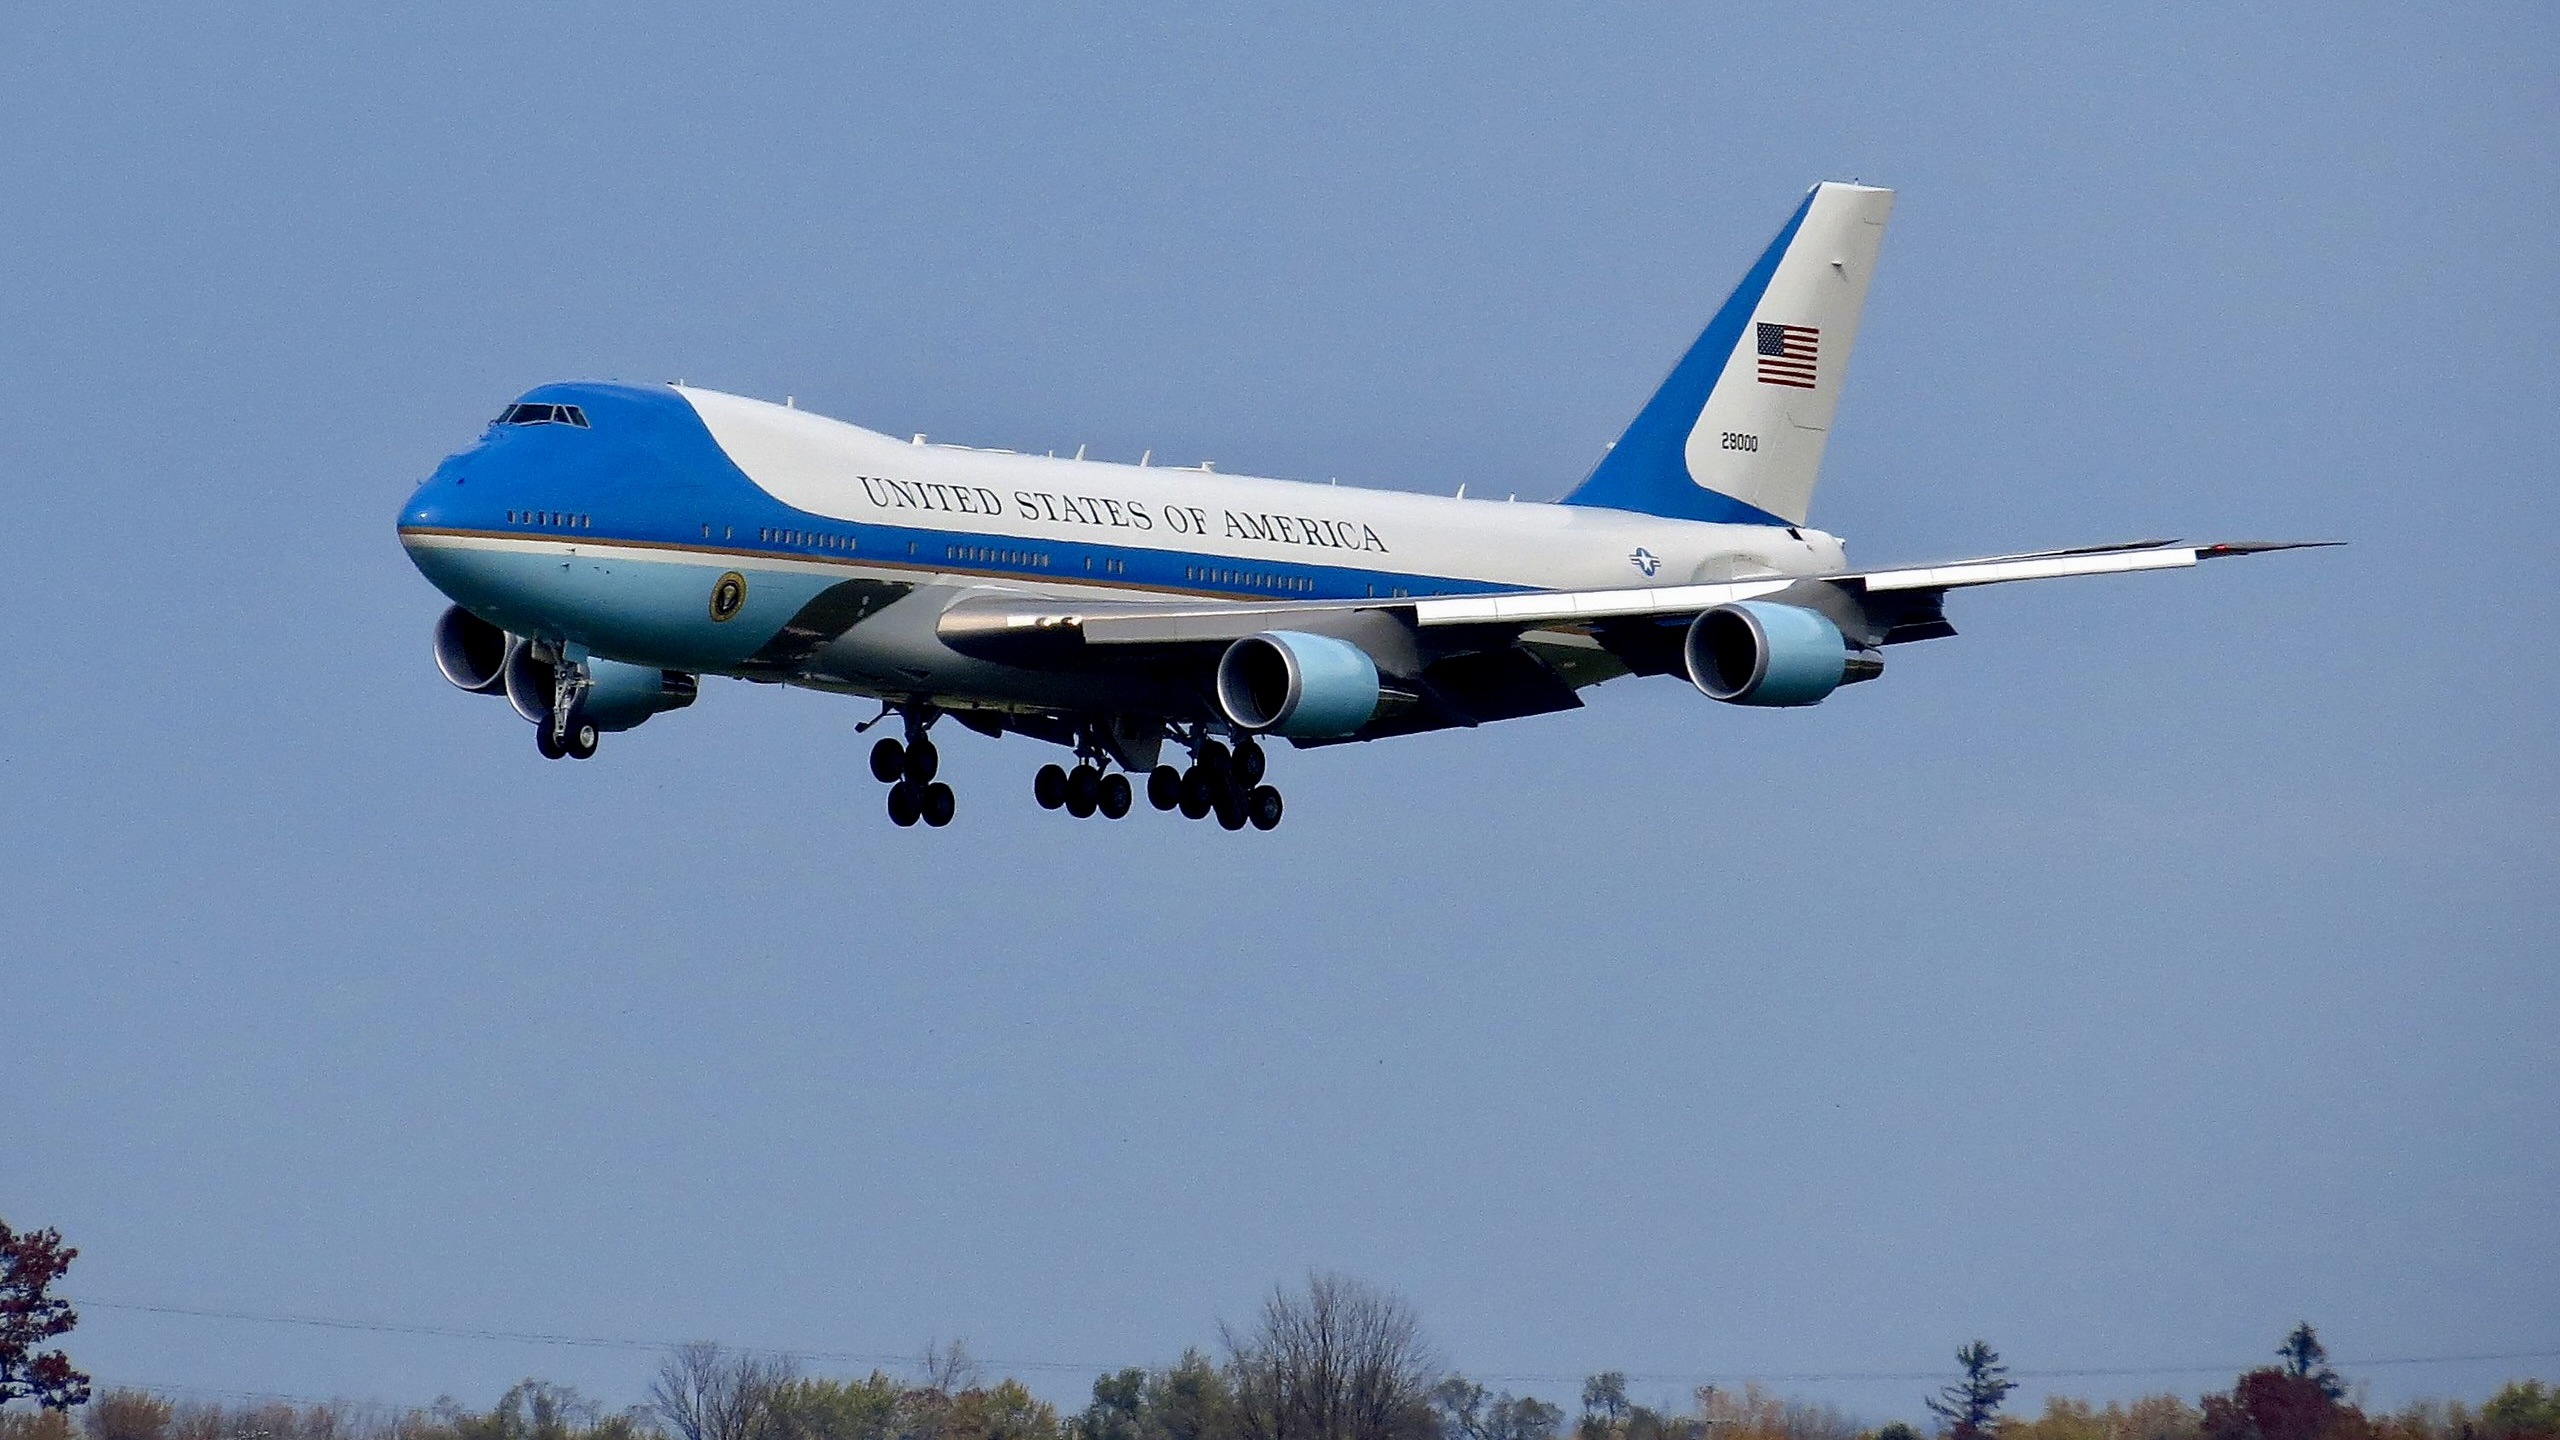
(1306, 687)
(1758, 652)
(471, 652)
(619, 696)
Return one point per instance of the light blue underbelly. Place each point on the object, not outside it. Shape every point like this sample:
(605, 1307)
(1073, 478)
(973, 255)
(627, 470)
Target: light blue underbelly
(649, 611)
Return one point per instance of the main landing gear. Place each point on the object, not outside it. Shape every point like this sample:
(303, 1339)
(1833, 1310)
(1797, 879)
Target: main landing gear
(1084, 791)
(1087, 790)
(1221, 782)
(908, 769)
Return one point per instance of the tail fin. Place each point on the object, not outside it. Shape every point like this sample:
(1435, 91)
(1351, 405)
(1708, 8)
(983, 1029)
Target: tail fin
(1736, 433)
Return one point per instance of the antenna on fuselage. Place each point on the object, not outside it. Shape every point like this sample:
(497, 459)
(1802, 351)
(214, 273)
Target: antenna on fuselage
(1079, 452)
(1146, 455)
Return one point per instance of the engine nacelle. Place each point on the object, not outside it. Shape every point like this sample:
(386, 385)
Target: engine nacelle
(1288, 682)
(619, 696)
(471, 652)
(1758, 652)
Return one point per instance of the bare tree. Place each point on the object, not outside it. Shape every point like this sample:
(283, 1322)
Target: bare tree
(1341, 1361)
(130, 1415)
(948, 1368)
(704, 1392)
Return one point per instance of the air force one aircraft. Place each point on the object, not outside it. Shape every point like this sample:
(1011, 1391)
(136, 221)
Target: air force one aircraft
(606, 545)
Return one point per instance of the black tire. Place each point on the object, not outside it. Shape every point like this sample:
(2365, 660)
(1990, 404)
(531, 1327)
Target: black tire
(1116, 796)
(581, 741)
(923, 761)
(1198, 794)
(1231, 814)
(906, 807)
(1263, 807)
(938, 804)
(1084, 791)
(543, 742)
(888, 761)
(1164, 787)
(1049, 787)
(1214, 760)
(1249, 763)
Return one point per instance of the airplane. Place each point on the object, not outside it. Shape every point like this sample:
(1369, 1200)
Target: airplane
(605, 545)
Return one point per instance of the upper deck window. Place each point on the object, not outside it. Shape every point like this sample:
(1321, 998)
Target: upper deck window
(535, 414)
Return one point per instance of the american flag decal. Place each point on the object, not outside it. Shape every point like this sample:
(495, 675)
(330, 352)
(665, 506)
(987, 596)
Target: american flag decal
(1788, 353)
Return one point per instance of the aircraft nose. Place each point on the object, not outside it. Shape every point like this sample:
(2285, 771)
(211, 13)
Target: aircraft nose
(427, 507)
(439, 500)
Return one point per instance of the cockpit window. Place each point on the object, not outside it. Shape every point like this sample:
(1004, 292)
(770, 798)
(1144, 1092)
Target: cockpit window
(533, 414)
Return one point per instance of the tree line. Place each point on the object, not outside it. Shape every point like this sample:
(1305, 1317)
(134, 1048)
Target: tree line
(1335, 1359)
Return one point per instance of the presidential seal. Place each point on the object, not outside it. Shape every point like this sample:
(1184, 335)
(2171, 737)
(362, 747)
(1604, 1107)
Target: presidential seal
(728, 594)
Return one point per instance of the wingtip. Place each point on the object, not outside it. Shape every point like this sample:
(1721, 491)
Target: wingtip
(2259, 547)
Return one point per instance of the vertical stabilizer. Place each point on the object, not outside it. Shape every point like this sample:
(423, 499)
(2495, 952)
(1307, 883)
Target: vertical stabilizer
(1736, 433)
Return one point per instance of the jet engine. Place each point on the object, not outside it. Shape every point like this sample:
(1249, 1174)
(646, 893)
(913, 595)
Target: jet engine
(1287, 682)
(471, 652)
(619, 696)
(1757, 652)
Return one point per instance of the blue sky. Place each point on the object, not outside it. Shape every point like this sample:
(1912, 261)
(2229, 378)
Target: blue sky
(2163, 961)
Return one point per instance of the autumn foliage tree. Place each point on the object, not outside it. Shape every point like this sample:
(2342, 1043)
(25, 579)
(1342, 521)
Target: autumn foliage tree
(30, 1261)
(2301, 1399)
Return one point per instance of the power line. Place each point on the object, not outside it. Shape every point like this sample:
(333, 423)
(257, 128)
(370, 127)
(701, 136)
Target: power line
(857, 1357)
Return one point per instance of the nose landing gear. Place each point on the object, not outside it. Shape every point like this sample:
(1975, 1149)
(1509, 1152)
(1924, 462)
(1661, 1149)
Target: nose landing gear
(564, 729)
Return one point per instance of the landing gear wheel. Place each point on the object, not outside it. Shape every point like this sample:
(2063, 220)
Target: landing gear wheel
(1262, 807)
(1249, 762)
(923, 761)
(888, 761)
(906, 807)
(1214, 761)
(1084, 791)
(1164, 787)
(581, 741)
(1198, 794)
(1049, 787)
(543, 742)
(938, 804)
(1231, 814)
(1115, 796)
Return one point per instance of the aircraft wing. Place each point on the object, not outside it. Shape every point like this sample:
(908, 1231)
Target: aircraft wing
(1466, 660)
(1028, 625)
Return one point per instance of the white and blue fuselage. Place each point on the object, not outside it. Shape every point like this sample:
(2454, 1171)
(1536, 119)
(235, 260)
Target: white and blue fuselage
(613, 534)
